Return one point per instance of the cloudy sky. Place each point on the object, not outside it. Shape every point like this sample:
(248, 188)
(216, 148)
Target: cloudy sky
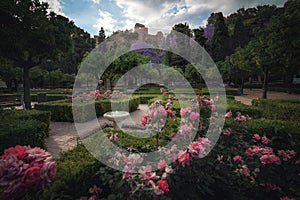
(114, 15)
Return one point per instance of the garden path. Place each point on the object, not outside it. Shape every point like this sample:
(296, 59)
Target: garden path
(249, 95)
(63, 135)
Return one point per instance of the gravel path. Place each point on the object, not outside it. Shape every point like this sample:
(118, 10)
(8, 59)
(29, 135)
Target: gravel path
(249, 95)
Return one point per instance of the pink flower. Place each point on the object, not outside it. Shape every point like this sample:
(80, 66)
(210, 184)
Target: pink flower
(113, 136)
(245, 170)
(195, 148)
(228, 114)
(69, 96)
(171, 113)
(100, 82)
(162, 90)
(146, 173)
(174, 136)
(241, 118)
(212, 107)
(127, 171)
(194, 116)
(64, 90)
(18, 151)
(31, 176)
(162, 164)
(256, 136)
(163, 186)
(265, 140)
(183, 111)
(287, 198)
(227, 131)
(184, 158)
(204, 142)
(269, 159)
(144, 119)
(237, 158)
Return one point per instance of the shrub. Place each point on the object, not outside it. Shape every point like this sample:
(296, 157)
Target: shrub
(50, 97)
(279, 109)
(23, 127)
(284, 133)
(62, 110)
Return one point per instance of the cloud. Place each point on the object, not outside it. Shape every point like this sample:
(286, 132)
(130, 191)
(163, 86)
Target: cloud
(95, 1)
(166, 13)
(55, 6)
(107, 21)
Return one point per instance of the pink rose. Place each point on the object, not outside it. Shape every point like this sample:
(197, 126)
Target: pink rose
(256, 136)
(184, 158)
(174, 136)
(269, 159)
(265, 140)
(227, 131)
(18, 151)
(100, 82)
(32, 176)
(228, 114)
(162, 164)
(237, 158)
(144, 119)
(163, 186)
(194, 116)
(195, 148)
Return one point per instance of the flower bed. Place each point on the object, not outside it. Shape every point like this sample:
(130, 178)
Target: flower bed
(25, 170)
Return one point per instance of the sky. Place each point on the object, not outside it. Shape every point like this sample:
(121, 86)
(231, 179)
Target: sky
(157, 15)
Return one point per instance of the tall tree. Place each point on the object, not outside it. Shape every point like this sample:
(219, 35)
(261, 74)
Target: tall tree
(26, 37)
(220, 38)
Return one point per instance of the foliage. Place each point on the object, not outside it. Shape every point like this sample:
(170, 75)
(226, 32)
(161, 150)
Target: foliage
(279, 109)
(62, 110)
(19, 127)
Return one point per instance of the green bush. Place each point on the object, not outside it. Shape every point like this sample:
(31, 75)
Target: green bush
(50, 97)
(284, 133)
(279, 109)
(62, 110)
(19, 127)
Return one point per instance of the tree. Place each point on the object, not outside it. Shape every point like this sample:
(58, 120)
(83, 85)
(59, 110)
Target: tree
(25, 37)
(219, 43)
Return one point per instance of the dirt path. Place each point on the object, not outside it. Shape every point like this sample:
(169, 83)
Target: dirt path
(249, 95)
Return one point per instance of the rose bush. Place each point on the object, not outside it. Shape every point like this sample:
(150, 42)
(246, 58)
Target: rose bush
(24, 169)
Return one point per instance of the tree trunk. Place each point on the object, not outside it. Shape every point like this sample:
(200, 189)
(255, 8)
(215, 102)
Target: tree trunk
(26, 86)
(265, 83)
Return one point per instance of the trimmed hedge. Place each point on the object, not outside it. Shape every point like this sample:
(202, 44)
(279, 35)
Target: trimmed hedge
(62, 110)
(50, 97)
(22, 127)
(285, 134)
(279, 109)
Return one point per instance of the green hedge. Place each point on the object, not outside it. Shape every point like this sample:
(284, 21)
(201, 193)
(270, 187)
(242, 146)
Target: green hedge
(285, 134)
(50, 97)
(62, 110)
(279, 109)
(19, 127)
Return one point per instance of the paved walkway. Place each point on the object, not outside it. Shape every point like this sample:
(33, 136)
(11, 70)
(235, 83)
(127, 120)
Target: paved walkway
(63, 135)
(249, 95)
